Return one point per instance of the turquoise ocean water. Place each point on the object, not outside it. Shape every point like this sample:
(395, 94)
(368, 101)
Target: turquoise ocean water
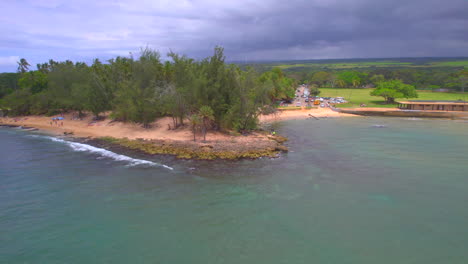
(352, 190)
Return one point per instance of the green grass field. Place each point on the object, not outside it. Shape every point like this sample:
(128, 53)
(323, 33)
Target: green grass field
(350, 64)
(345, 65)
(355, 97)
(451, 64)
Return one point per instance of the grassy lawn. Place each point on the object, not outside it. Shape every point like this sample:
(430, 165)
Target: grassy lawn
(337, 65)
(345, 65)
(355, 97)
(451, 63)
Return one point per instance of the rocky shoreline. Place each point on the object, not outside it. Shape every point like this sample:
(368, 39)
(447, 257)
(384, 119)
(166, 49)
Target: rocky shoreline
(265, 146)
(197, 150)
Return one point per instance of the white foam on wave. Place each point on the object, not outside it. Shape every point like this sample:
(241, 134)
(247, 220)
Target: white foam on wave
(105, 153)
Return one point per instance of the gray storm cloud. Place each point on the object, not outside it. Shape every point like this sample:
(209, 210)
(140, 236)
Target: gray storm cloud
(253, 30)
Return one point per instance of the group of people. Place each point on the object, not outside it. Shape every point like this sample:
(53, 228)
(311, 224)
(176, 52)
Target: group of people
(55, 121)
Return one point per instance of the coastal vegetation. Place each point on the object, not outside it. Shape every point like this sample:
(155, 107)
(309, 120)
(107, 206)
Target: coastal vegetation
(210, 93)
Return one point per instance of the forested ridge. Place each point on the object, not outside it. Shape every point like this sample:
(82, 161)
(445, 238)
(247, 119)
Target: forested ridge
(145, 88)
(451, 78)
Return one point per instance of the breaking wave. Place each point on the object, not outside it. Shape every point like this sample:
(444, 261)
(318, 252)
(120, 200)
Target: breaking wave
(80, 147)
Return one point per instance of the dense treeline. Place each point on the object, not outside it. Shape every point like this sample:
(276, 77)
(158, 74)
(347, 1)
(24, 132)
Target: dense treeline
(421, 78)
(210, 92)
(8, 83)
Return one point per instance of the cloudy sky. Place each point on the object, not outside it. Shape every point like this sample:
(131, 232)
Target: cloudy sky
(248, 30)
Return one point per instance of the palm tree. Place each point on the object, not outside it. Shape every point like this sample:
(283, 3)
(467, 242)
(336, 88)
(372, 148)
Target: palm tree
(340, 83)
(195, 122)
(356, 83)
(207, 115)
(23, 65)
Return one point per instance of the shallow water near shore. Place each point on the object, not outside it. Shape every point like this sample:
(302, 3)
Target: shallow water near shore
(351, 190)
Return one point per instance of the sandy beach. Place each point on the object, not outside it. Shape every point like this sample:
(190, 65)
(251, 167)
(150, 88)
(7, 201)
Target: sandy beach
(86, 127)
(160, 139)
(301, 114)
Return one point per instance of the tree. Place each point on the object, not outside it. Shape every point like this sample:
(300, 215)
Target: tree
(377, 78)
(352, 78)
(356, 83)
(463, 78)
(251, 96)
(35, 81)
(283, 87)
(139, 95)
(181, 77)
(206, 114)
(195, 122)
(340, 83)
(332, 80)
(8, 83)
(314, 90)
(463, 82)
(320, 78)
(394, 89)
(23, 65)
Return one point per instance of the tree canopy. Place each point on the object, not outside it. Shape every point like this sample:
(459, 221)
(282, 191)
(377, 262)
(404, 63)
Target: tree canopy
(390, 90)
(145, 88)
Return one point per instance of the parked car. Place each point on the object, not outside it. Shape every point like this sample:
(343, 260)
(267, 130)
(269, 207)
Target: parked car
(298, 104)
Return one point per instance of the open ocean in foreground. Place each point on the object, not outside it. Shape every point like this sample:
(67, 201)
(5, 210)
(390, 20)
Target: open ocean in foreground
(352, 190)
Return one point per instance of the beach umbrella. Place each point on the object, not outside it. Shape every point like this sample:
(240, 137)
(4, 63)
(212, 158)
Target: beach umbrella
(60, 118)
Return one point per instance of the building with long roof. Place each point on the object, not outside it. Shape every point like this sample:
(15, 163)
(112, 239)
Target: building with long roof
(430, 105)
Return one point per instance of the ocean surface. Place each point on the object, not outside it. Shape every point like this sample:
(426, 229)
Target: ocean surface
(351, 190)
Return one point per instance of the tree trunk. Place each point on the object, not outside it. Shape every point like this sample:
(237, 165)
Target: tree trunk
(204, 133)
(181, 120)
(174, 122)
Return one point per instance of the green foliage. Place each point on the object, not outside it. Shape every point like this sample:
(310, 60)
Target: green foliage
(377, 78)
(142, 89)
(320, 78)
(23, 65)
(195, 123)
(352, 78)
(139, 94)
(283, 87)
(18, 103)
(394, 89)
(207, 116)
(419, 72)
(35, 81)
(8, 83)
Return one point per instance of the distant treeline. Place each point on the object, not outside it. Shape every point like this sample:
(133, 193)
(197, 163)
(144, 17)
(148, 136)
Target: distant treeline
(145, 88)
(421, 78)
